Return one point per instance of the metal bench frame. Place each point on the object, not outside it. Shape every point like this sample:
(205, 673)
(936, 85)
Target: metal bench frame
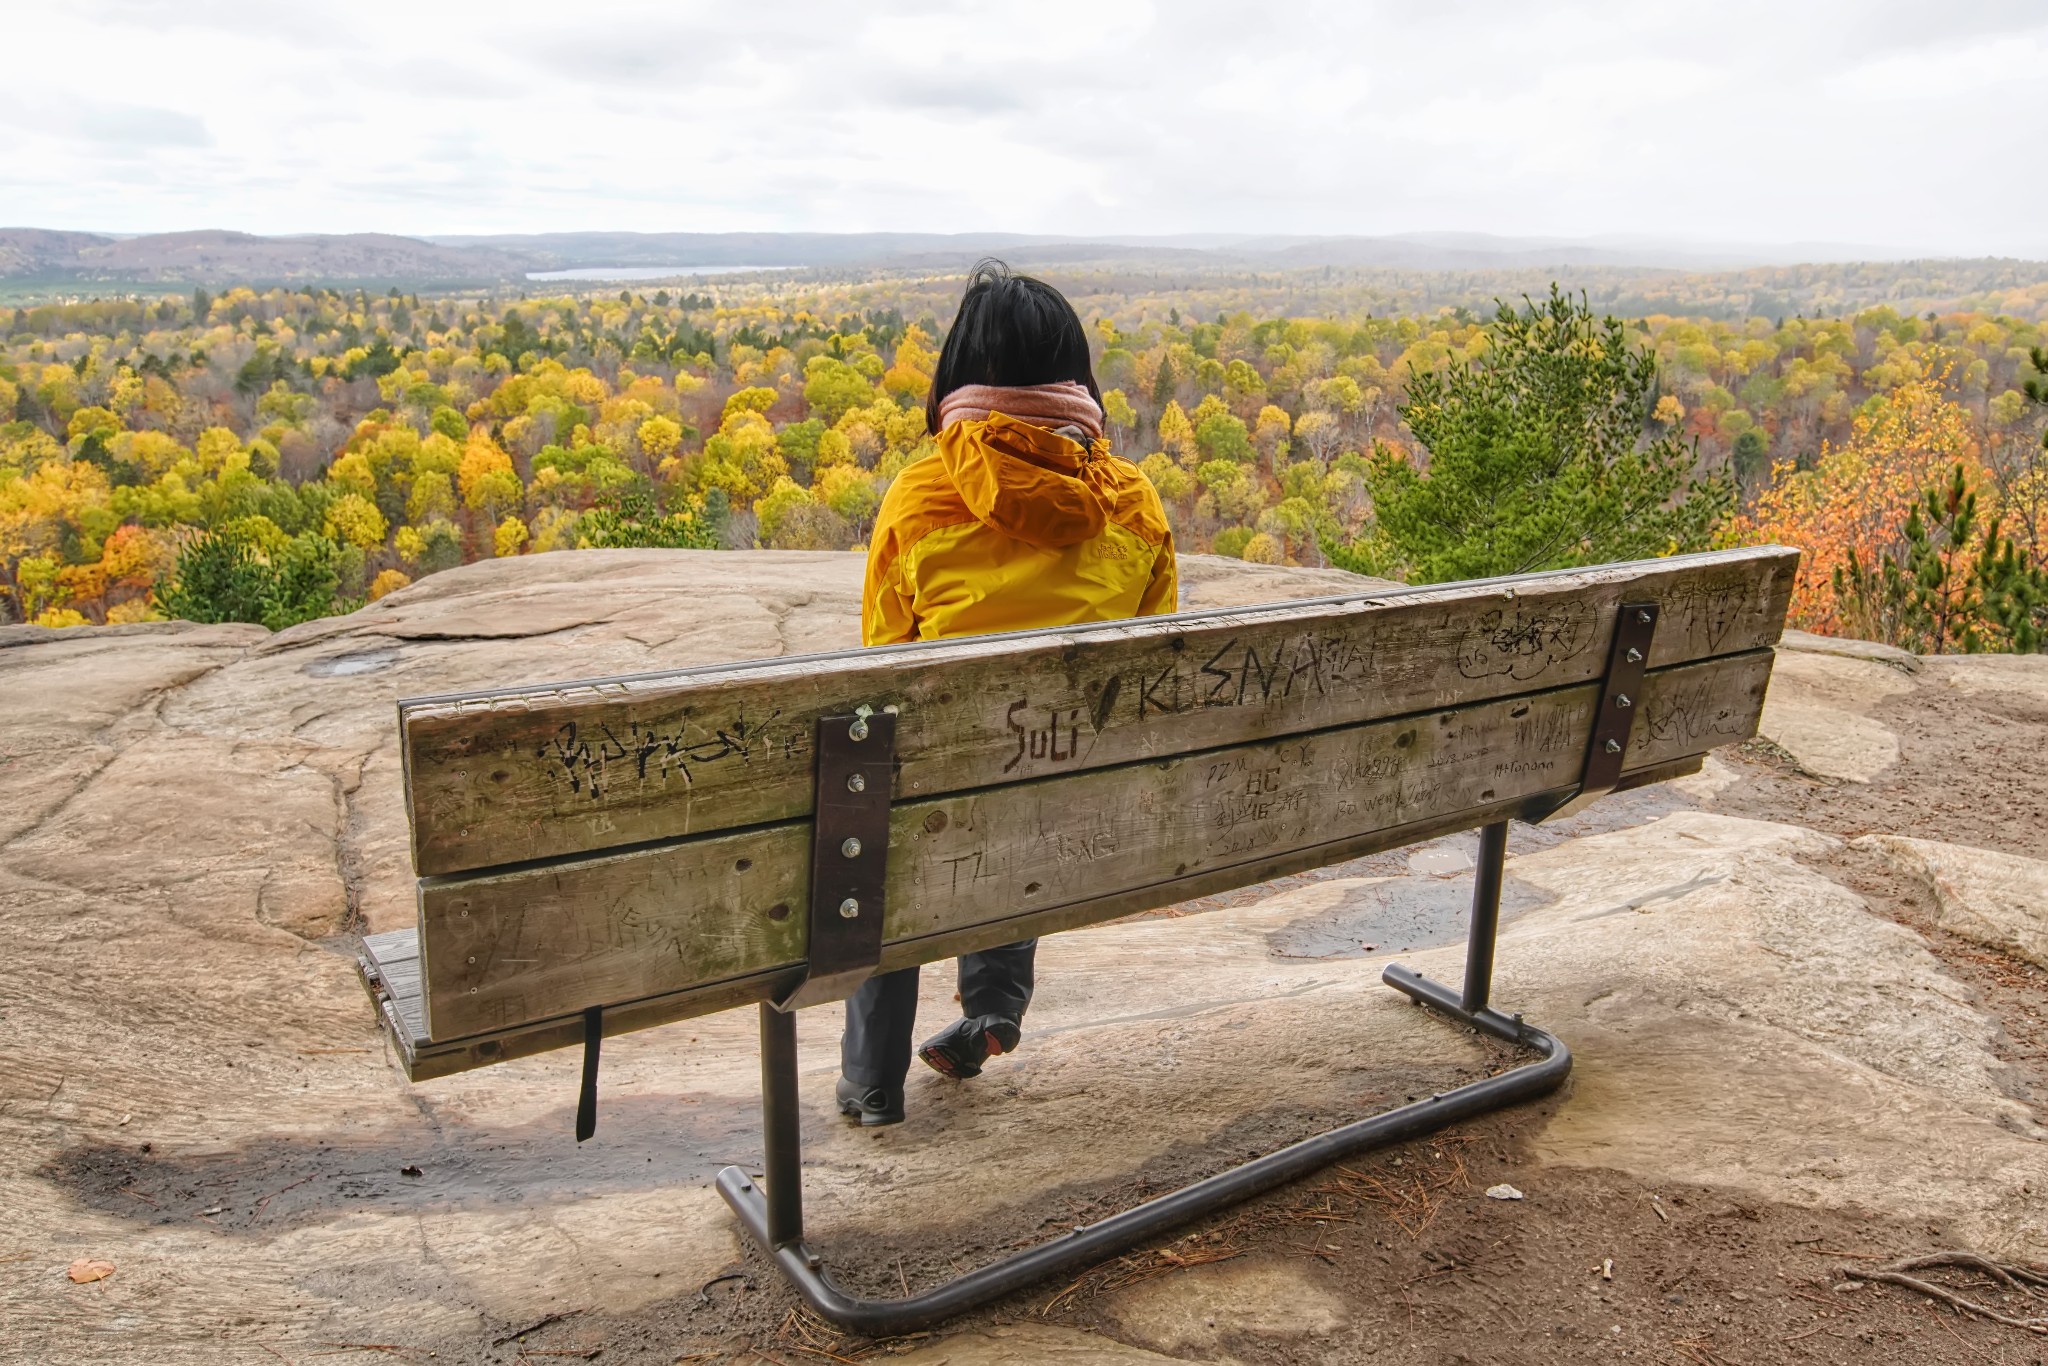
(773, 1216)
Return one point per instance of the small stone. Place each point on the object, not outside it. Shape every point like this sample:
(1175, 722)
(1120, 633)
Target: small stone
(1503, 1192)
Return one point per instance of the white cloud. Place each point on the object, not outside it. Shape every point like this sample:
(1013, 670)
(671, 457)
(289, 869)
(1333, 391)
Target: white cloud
(1830, 120)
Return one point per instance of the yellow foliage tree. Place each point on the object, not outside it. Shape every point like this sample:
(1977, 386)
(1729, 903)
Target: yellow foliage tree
(356, 520)
(834, 448)
(849, 491)
(1264, 548)
(1859, 494)
(432, 495)
(1321, 432)
(480, 457)
(1270, 433)
(779, 504)
(742, 458)
(388, 582)
(352, 472)
(909, 378)
(488, 482)
(132, 611)
(1177, 434)
(659, 437)
(1172, 481)
(508, 538)
(554, 529)
(754, 399)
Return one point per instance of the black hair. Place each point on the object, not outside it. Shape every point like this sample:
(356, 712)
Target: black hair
(1011, 330)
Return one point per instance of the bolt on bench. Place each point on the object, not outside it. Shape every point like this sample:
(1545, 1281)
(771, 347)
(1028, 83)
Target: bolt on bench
(604, 856)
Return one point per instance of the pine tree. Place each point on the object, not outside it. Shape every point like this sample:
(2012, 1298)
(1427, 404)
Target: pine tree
(1950, 589)
(1539, 458)
(2015, 594)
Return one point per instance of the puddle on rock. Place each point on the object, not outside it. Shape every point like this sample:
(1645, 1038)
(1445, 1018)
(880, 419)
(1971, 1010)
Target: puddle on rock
(343, 666)
(1439, 859)
(1397, 917)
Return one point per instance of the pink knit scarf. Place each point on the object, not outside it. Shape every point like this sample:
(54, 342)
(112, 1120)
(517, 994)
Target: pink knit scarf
(1065, 404)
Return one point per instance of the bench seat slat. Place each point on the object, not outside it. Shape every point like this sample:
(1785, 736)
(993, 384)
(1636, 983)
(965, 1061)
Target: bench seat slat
(512, 948)
(394, 977)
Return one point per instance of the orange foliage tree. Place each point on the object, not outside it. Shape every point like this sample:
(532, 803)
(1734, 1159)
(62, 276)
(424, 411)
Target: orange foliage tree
(1859, 495)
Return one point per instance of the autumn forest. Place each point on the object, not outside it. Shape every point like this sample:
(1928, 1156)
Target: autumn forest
(283, 453)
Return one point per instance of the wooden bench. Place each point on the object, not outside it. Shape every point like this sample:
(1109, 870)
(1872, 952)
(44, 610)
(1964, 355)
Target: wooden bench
(603, 856)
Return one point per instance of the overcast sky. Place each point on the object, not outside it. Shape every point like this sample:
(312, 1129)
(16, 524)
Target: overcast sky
(1860, 121)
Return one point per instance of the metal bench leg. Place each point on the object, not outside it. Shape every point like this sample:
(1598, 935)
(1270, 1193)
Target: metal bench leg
(781, 1127)
(1472, 1006)
(775, 1219)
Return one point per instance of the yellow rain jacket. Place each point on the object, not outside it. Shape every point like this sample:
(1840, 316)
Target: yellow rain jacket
(1011, 526)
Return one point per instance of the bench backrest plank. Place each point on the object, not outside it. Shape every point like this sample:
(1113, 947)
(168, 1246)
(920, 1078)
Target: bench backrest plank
(1057, 842)
(542, 941)
(570, 769)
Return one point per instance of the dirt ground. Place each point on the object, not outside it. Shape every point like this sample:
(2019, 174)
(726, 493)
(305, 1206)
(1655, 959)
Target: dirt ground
(1421, 1268)
(1786, 1065)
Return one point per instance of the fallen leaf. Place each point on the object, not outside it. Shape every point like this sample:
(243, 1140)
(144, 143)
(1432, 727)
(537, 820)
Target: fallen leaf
(217, 1209)
(1502, 1192)
(85, 1271)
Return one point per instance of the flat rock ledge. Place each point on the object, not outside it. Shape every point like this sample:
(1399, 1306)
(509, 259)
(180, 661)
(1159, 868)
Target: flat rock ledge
(195, 820)
(1996, 899)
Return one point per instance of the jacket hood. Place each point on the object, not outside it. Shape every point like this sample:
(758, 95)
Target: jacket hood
(1026, 481)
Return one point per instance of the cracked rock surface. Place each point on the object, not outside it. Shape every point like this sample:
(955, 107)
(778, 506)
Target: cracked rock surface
(196, 821)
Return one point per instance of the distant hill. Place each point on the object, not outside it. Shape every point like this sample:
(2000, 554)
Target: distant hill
(215, 256)
(39, 251)
(1408, 251)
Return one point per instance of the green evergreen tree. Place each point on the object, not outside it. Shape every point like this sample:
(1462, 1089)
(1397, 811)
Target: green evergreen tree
(2015, 595)
(1949, 589)
(1752, 456)
(1539, 457)
(218, 578)
(630, 519)
(225, 576)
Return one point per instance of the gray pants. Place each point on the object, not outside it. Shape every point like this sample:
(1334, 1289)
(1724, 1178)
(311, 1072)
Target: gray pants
(882, 1016)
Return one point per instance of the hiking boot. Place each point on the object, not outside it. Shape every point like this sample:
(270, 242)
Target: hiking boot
(873, 1106)
(960, 1051)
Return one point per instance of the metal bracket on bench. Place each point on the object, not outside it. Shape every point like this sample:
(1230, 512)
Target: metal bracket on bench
(1635, 627)
(856, 773)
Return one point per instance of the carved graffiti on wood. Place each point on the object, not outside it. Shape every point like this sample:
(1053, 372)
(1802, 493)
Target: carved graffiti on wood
(1524, 642)
(594, 759)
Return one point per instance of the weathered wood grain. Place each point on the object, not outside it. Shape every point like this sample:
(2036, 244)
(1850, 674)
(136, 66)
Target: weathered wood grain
(542, 772)
(390, 965)
(524, 944)
(424, 1060)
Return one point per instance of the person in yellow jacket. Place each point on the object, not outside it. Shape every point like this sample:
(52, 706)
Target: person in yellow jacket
(1023, 518)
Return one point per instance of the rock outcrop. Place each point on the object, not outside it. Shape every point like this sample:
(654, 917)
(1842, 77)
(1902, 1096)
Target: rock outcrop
(194, 820)
(2000, 900)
